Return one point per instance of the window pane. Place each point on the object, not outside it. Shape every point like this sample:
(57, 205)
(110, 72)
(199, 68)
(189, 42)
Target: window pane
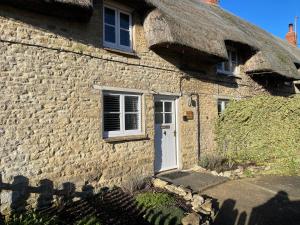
(219, 107)
(131, 122)
(125, 38)
(131, 104)
(111, 122)
(111, 103)
(168, 118)
(234, 67)
(110, 34)
(124, 21)
(233, 57)
(168, 106)
(227, 66)
(110, 16)
(220, 66)
(159, 118)
(158, 106)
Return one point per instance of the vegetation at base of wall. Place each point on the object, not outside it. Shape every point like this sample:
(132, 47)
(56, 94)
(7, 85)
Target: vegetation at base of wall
(153, 200)
(34, 218)
(263, 130)
(31, 218)
(160, 208)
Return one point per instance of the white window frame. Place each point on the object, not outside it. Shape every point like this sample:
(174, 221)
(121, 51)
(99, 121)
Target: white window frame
(232, 70)
(223, 104)
(122, 131)
(117, 45)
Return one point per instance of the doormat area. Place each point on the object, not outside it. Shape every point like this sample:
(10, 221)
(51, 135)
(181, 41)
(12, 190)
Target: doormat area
(197, 181)
(174, 175)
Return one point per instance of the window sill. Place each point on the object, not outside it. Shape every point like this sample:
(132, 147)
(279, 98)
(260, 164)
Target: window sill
(126, 138)
(121, 52)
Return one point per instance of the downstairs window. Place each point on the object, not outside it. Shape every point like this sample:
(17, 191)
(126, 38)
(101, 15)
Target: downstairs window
(121, 114)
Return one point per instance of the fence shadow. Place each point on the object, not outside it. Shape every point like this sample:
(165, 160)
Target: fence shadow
(110, 206)
(279, 210)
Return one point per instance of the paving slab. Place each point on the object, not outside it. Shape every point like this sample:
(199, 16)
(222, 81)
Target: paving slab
(197, 181)
(266, 200)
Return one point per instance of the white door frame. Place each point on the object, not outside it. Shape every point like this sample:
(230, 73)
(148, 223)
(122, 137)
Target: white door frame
(177, 121)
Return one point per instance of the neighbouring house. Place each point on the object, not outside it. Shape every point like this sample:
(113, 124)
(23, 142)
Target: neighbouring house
(101, 92)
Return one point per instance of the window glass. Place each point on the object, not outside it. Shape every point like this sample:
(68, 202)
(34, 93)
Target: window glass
(111, 103)
(168, 117)
(117, 29)
(220, 66)
(158, 106)
(125, 38)
(131, 122)
(122, 113)
(110, 34)
(111, 122)
(159, 118)
(168, 106)
(222, 104)
(124, 21)
(131, 103)
(110, 16)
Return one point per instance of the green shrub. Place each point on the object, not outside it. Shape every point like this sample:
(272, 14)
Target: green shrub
(154, 200)
(89, 220)
(31, 218)
(160, 208)
(263, 130)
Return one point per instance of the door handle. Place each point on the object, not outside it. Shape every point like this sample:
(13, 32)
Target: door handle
(165, 132)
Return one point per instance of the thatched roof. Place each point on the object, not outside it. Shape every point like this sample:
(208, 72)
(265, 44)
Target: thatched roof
(206, 28)
(190, 25)
(73, 9)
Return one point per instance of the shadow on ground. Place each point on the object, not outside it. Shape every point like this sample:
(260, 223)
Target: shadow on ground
(68, 206)
(279, 210)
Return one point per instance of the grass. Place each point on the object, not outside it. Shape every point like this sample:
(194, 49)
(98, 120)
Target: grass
(264, 131)
(160, 208)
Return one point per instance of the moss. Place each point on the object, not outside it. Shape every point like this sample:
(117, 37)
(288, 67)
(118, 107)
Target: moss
(263, 130)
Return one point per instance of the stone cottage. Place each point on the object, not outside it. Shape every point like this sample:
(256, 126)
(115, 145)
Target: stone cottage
(105, 91)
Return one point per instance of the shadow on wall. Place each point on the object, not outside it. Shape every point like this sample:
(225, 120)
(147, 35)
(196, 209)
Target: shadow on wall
(279, 210)
(89, 33)
(109, 206)
(21, 192)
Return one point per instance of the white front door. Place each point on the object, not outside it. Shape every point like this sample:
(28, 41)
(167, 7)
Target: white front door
(165, 134)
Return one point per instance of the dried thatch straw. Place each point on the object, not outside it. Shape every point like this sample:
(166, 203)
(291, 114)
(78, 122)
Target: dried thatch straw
(73, 9)
(192, 25)
(205, 28)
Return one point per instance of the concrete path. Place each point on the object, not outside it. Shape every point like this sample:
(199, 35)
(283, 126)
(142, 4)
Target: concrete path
(260, 201)
(195, 180)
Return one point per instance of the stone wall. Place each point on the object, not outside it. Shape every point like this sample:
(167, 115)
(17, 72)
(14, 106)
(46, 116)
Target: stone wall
(50, 124)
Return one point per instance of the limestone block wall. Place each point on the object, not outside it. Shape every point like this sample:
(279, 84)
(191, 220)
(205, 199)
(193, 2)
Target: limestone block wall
(50, 111)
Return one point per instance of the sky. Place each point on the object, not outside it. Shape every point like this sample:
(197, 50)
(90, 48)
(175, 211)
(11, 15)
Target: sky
(273, 16)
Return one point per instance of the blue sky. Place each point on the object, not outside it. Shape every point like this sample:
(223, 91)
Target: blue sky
(271, 15)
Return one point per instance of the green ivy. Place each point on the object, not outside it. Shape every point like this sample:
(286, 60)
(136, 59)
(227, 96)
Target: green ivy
(264, 130)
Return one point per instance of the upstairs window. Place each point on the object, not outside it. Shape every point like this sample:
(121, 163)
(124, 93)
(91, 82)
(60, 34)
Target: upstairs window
(122, 114)
(229, 67)
(222, 104)
(117, 28)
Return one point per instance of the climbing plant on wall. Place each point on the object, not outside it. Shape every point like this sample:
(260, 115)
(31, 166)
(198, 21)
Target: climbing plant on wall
(264, 130)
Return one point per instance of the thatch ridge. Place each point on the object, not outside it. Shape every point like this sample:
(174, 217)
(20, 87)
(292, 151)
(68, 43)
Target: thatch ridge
(206, 28)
